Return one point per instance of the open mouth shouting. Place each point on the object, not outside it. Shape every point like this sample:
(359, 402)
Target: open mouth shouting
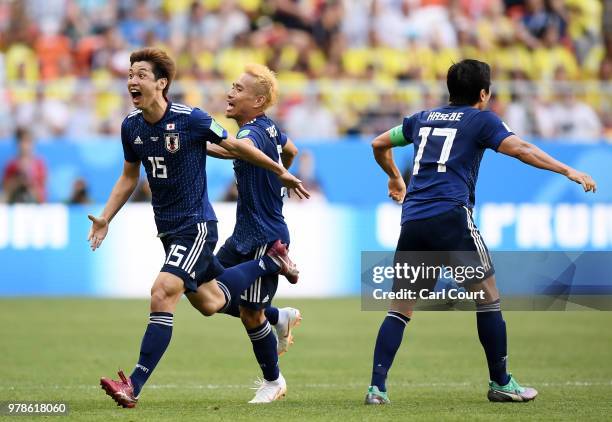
(230, 106)
(136, 95)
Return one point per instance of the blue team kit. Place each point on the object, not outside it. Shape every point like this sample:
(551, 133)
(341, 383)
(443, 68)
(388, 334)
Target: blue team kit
(449, 143)
(173, 152)
(259, 212)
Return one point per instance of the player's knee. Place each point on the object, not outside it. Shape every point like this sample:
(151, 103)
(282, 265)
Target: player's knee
(164, 293)
(252, 318)
(159, 299)
(208, 309)
(404, 307)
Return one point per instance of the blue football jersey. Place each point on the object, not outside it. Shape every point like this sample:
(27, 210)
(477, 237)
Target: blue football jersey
(173, 153)
(259, 213)
(448, 146)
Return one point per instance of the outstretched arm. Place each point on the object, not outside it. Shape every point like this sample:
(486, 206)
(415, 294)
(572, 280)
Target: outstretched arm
(214, 150)
(246, 151)
(381, 146)
(123, 189)
(534, 156)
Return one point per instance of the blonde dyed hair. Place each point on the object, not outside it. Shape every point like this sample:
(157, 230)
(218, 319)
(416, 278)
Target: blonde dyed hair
(265, 83)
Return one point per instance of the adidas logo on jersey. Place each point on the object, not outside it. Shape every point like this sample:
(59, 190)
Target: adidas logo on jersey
(192, 275)
(267, 298)
(138, 141)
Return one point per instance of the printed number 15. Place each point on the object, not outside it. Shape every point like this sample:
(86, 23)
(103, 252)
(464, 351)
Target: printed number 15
(158, 168)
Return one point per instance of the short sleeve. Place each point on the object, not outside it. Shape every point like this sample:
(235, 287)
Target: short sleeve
(205, 128)
(283, 139)
(408, 126)
(128, 152)
(493, 130)
(252, 133)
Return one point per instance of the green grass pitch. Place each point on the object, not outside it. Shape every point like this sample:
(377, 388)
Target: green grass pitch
(57, 349)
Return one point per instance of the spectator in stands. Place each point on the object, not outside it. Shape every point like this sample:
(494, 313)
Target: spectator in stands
(355, 24)
(293, 14)
(51, 44)
(575, 120)
(139, 21)
(311, 120)
(517, 115)
(25, 176)
(536, 20)
(80, 193)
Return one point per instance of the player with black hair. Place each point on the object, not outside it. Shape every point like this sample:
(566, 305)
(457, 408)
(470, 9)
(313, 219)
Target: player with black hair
(449, 143)
(170, 140)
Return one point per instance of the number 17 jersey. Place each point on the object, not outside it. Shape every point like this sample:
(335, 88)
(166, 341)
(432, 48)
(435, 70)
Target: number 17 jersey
(449, 143)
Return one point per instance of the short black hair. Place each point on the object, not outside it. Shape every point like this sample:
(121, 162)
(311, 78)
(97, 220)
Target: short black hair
(465, 80)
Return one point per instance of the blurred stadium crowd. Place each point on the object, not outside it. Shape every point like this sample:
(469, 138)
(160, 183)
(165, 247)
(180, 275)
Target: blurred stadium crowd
(345, 66)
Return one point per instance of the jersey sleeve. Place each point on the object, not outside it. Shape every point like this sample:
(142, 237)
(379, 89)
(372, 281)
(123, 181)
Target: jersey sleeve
(402, 135)
(205, 128)
(128, 152)
(493, 131)
(252, 133)
(283, 139)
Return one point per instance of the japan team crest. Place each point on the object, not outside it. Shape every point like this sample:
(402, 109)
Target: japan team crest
(172, 142)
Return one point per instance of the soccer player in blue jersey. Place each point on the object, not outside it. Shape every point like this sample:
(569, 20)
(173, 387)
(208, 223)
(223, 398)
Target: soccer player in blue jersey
(259, 222)
(437, 211)
(171, 140)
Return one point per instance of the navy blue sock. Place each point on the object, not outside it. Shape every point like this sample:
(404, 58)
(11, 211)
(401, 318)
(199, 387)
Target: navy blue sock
(235, 280)
(232, 298)
(240, 277)
(232, 305)
(264, 346)
(271, 314)
(387, 343)
(154, 344)
(492, 335)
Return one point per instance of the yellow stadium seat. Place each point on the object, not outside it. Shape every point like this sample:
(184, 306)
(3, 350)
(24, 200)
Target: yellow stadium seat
(212, 4)
(289, 56)
(547, 60)
(443, 59)
(292, 82)
(356, 60)
(250, 5)
(177, 6)
(21, 64)
(62, 89)
(391, 61)
(317, 61)
(107, 99)
(231, 62)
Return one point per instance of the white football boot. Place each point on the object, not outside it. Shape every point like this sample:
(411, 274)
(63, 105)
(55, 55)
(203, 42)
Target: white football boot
(269, 391)
(288, 319)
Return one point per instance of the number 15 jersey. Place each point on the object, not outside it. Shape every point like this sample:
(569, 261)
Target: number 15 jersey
(449, 143)
(173, 153)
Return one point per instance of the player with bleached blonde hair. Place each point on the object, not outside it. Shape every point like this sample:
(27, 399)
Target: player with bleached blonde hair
(170, 140)
(259, 222)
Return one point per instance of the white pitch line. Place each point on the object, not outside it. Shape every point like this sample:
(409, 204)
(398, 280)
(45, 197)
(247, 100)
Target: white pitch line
(319, 386)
